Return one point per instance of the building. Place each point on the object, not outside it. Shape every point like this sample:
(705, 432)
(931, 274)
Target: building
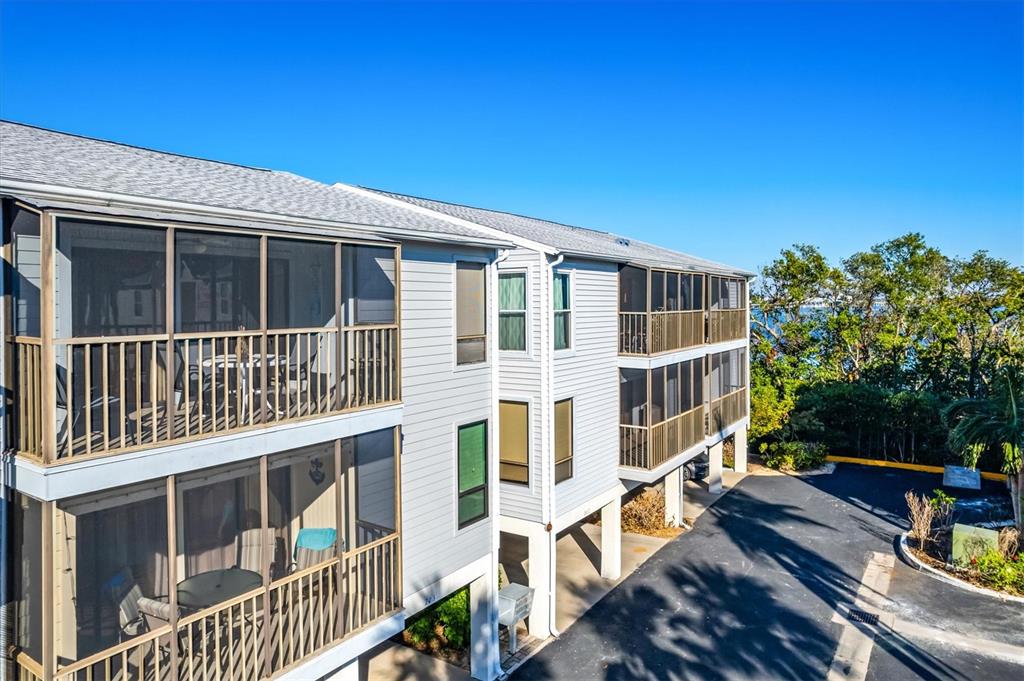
(620, 361)
(227, 379)
(254, 422)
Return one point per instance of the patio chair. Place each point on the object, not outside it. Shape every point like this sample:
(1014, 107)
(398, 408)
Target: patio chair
(75, 423)
(313, 545)
(137, 614)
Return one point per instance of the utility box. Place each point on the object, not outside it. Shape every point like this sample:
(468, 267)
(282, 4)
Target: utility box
(970, 542)
(514, 603)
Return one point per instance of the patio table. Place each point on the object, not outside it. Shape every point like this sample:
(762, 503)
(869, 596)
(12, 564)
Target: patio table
(216, 586)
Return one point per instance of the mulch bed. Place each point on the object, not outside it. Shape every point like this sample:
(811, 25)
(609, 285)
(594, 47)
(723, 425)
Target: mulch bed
(934, 555)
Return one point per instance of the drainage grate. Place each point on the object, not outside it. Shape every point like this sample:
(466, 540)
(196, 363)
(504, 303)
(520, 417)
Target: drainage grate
(863, 616)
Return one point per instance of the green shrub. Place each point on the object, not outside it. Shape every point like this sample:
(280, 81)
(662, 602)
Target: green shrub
(445, 623)
(453, 614)
(999, 572)
(793, 456)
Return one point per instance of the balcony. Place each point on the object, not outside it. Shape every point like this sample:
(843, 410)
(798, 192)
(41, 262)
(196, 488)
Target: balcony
(662, 311)
(647, 448)
(274, 563)
(133, 337)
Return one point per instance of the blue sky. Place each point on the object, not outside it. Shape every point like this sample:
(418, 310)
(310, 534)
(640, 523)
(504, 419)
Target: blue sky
(726, 130)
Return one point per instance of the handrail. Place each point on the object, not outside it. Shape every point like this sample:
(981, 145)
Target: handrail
(223, 605)
(107, 653)
(25, 660)
(365, 548)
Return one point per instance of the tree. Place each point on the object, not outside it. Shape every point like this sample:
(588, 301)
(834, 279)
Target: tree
(996, 421)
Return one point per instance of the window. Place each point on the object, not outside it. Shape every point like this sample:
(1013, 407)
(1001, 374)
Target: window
(514, 447)
(563, 440)
(512, 311)
(470, 313)
(563, 310)
(472, 473)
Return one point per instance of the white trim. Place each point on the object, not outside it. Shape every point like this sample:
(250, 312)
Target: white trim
(430, 212)
(437, 590)
(627, 362)
(571, 350)
(48, 483)
(104, 198)
(329, 661)
(489, 348)
(531, 404)
(592, 505)
(525, 270)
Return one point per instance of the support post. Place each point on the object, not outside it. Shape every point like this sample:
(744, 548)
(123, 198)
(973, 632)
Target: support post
(172, 569)
(715, 468)
(740, 450)
(47, 326)
(611, 539)
(355, 670)
(539, 552)
(483, 628)
(48, 663)
(673, 498)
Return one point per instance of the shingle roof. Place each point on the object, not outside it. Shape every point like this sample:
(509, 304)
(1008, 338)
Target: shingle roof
(572, 240)
(31, 154)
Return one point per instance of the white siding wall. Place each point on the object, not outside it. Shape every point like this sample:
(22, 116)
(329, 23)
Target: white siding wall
(589, 374)
(520, 380)
(438, 397)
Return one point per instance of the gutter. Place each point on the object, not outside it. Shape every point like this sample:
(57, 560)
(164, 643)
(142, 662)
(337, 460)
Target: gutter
(547, 383)
(113, 199)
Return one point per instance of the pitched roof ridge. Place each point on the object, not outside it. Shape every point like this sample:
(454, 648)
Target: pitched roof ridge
(137, 147)
(491, 210)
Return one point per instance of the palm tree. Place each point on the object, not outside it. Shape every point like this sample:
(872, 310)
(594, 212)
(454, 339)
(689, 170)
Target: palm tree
(995, 421)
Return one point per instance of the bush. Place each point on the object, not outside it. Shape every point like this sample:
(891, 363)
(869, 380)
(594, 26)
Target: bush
(445, 624)
(644, 513)
(921, 512)
(997, 571)
(793, 456)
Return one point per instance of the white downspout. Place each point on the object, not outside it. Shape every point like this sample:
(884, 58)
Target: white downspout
(548, 373)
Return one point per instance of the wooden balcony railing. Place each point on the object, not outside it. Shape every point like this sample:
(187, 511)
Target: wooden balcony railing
(640, 447)
(243, 639)
(726, 325)
(641, 333)
(727, 410)
(632, 333)
(676, 330)
(121, 393)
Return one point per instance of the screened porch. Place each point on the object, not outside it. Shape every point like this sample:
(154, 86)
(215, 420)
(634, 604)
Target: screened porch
(661, 413)
(272, 561)
(135, 335)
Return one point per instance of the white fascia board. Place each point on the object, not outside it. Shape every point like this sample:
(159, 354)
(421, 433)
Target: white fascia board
(49, 483)
(592, 505)
(422, 210)
(112, 199)
(328, 661)
(627, 362)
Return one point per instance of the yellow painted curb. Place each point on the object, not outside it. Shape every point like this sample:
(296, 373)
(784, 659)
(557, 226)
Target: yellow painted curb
(1001, 477)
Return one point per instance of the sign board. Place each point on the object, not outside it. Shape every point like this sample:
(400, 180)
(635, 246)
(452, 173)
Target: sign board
(514, 602)
(970, 542)
(958, 476)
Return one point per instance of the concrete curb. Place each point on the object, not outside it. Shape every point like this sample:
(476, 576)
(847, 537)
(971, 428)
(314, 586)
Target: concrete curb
(920, 565)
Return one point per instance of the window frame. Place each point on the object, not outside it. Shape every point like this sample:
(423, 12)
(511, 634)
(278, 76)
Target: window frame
(572, 440)
(525, 273)
(459, 494)
(529, 449)
(483, 263)
(570, 311)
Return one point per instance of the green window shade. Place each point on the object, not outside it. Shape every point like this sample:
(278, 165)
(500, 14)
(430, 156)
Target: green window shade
(563, 440)
(561, 291)
(472, 491)
(512, 314)
(563, 313)
(472, 455)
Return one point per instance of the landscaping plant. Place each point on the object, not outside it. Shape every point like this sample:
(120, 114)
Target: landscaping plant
(443, 625)
(644, 513)
(994, 422)
(921, 513)
(793, 456)
(943, 505)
